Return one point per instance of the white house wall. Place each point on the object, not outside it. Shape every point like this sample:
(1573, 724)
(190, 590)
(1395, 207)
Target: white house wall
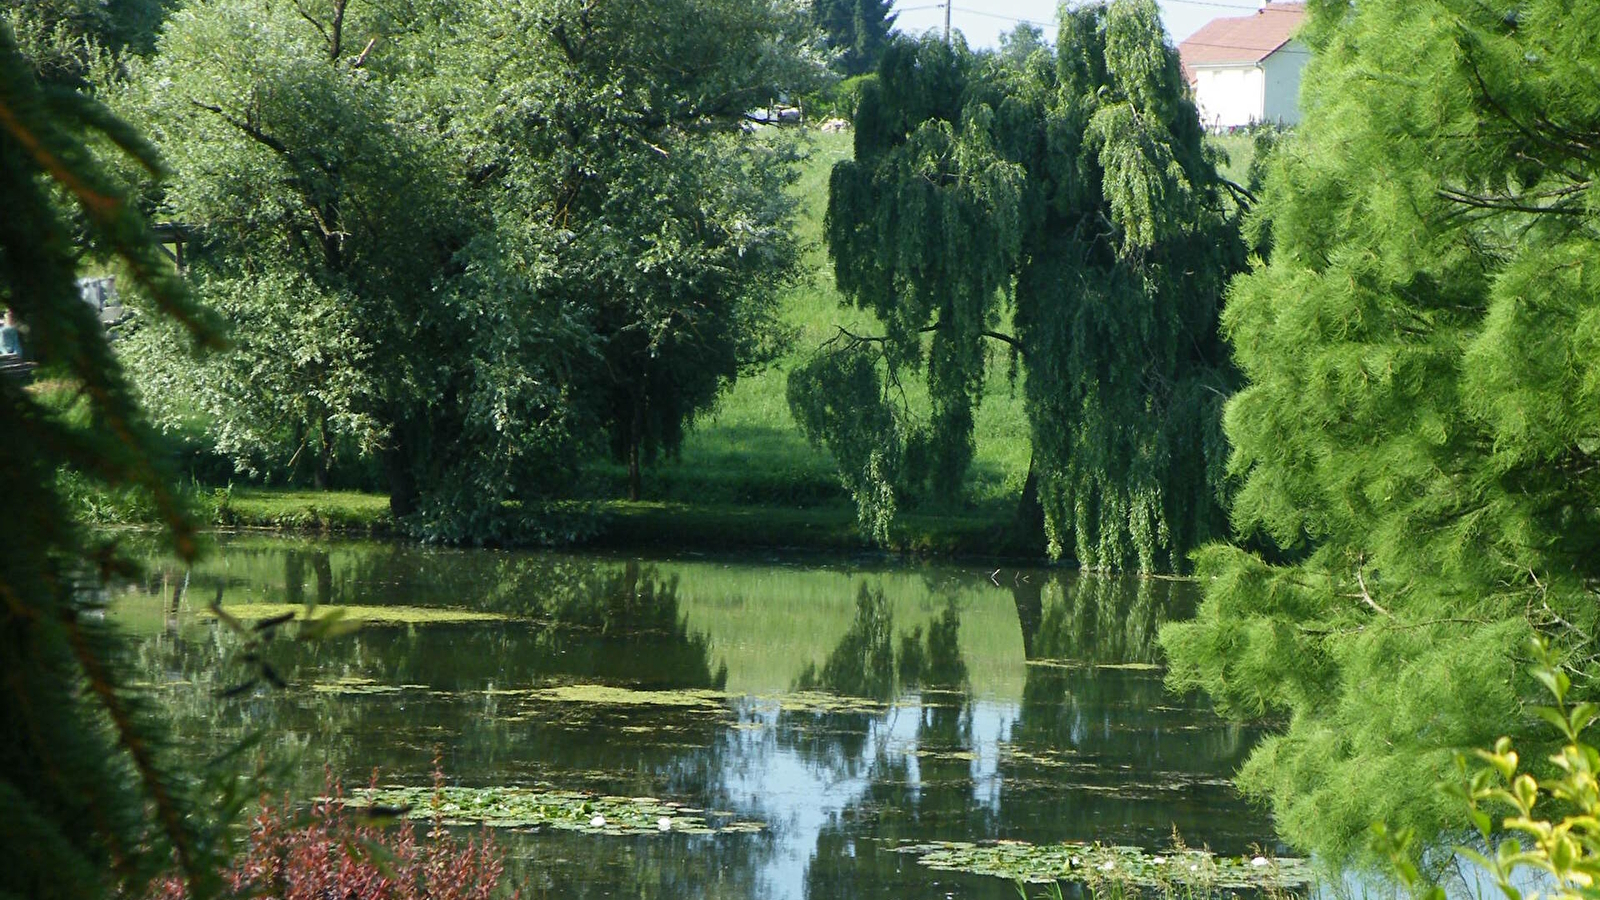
(1282, 70)
(1230, 96)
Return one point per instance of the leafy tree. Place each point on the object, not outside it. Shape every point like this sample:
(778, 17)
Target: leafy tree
(94, 804)
(609, 137)
(67, 39)
(1416, 441)
(857, 31)
(372, 308)
(1077, 200)
(1020, 43)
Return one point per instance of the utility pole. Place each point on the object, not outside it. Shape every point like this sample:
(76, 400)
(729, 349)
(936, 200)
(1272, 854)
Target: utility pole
(947, 4)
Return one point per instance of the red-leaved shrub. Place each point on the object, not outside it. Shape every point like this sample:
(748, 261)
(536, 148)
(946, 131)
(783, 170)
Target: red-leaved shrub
(335, 853)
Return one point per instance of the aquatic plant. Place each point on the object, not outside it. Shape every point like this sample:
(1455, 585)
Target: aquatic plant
(548, 807)
(1100, 867)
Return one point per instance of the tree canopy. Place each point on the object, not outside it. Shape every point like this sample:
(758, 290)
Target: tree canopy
(1071, 198)
(372, 308)
(611, 138)
(1415, 442)
(855, 31)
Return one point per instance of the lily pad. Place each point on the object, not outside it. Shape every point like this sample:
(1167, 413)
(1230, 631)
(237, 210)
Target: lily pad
(1195, 871)
(541, 807)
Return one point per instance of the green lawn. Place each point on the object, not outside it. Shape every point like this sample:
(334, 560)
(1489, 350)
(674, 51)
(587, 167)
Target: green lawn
(301, 510)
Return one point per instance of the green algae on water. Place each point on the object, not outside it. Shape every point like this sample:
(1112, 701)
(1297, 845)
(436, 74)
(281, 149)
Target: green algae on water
(1193, 871)
(619, 696)
(364, 615)
(537, 808)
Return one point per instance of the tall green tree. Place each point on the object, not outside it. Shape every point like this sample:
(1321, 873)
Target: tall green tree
(372, 307)
(67, 41)
(610, 137)
(1416, 441)
(1020, 43)
(95, 802)
(856, 32)
(1074, 197)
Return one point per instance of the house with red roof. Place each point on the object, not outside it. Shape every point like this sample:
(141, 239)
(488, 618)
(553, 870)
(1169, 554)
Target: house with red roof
(1246, 69)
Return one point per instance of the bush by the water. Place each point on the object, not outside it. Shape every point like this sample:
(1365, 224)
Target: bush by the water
(338, 852)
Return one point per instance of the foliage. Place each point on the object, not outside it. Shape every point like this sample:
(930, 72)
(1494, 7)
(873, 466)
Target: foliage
(1415, 444)
(94, 803)
(610, 136)
(1078, 200)
(1562, 854)
(70, 42)
(855, 31)
(335, 852)
(374, 310)
(1021, 42)
(837, 100)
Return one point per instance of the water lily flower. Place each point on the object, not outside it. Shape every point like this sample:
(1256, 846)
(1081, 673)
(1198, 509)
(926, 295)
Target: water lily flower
(1158, 860)
(664, 824)
(1108, 865)
(598, 821)
(1259, 861)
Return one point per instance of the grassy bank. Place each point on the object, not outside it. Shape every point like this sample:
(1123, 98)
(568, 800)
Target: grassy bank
(666, 525)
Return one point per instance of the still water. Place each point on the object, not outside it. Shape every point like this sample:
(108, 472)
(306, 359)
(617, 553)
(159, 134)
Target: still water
(856, 706)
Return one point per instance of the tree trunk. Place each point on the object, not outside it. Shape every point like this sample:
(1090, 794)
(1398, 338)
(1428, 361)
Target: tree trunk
(319, 476)
(635, 479)
(1028, 524)
(397, 471)
(635, 438)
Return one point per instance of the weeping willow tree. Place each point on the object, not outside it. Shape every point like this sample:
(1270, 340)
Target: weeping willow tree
(1073, 199)
(94, 805)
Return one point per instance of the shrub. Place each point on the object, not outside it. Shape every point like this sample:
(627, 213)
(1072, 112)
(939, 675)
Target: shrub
(336, 853)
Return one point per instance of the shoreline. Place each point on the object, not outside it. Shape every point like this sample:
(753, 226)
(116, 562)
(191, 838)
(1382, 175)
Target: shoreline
(645, 525)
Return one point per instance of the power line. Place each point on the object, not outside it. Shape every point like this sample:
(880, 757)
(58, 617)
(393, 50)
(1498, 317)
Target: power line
(979, 12)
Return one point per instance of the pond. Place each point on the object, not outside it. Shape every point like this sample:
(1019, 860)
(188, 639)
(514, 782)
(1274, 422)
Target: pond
(801, 721)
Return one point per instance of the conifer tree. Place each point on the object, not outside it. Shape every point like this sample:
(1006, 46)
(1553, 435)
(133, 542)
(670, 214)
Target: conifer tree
(857, 30)
(94, 804)
(1074, 197)
(1416, 442)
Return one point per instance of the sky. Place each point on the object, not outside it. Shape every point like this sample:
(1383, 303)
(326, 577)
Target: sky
(982, 21)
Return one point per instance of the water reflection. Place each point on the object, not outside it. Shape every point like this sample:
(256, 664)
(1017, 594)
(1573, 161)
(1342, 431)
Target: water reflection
(852, 706)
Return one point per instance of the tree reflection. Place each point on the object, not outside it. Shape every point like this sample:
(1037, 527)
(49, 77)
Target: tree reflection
(386, 696)
(1096, 715)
